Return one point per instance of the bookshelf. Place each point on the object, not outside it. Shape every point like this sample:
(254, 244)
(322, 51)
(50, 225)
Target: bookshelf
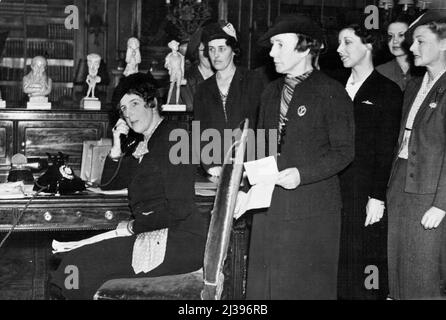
(36, 27)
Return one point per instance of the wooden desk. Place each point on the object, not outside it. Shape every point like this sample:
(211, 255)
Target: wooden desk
(102, 212)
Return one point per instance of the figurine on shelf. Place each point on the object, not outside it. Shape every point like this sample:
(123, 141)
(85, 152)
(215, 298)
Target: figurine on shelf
(37, 85)
(90, 102)
(133, 57)
(175, 65)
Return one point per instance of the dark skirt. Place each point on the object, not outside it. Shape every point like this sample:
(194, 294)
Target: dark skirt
(363, 256)
(294, 259)
(414, 253)
(112, 259)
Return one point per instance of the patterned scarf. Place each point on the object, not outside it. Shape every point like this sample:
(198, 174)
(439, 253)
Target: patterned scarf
(287, 94)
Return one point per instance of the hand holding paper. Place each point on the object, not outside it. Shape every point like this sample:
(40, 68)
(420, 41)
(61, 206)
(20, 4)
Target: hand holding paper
(262, 175)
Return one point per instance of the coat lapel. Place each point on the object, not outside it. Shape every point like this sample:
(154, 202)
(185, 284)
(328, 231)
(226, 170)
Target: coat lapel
(305, 86)
(215, 93)
(432, 96)
(409, 97)
(233, 94)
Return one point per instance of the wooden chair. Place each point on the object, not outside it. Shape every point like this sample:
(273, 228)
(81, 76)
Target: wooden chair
(206, 283)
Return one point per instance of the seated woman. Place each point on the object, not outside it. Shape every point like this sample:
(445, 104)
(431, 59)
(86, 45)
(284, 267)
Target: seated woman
(161, 198)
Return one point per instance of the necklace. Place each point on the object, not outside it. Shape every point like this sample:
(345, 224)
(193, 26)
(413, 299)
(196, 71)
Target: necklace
(142, 149)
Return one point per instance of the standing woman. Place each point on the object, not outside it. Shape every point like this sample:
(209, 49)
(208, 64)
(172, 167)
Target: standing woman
(399, 69)
(377, 109)
(417, 188)
(199, 70)
(294, 246)
(231, 94)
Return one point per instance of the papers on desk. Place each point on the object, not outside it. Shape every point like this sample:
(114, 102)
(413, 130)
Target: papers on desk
(122, 192)
(71, 245)
(14, 190)
(262, 175)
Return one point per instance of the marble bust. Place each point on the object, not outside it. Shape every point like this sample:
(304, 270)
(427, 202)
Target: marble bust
(37, 85)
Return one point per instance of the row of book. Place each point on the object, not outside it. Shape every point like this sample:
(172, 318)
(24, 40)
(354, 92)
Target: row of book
(48, 49)
(11, 74)
(59, 31)
(56, 73)
(60, 73)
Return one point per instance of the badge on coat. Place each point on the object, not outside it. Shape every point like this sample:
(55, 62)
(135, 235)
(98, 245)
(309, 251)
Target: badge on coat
(301, 111)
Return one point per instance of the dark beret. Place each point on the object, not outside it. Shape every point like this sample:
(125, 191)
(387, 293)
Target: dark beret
(130, 82)
(215, 31)
(429, 16)
(292, 23)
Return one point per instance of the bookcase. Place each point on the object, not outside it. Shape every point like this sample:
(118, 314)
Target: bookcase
(36, 27)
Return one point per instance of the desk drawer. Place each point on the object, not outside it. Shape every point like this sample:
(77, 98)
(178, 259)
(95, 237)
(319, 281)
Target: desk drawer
(64, 218)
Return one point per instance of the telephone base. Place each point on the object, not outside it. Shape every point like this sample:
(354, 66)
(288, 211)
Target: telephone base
(90, 104)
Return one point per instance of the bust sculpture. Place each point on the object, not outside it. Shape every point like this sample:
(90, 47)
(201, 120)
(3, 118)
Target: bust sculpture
(133, 57)
(90, 101)
(37, 85)
(174, 63)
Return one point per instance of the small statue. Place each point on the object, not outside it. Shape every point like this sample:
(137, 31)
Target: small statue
(93, 62)
(133, 57)
(90, 101)
(175, 64)
(37, 85)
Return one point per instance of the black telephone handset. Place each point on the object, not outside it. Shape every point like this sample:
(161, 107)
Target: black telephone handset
(130, 141)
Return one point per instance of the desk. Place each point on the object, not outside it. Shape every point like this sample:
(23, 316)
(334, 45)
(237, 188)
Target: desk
(102, 212)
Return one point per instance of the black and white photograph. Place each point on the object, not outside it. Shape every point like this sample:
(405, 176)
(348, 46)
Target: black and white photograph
(243, 152)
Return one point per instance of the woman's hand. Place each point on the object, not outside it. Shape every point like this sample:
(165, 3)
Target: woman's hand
(125, 228)
(288, 178)
(432, 218)
(374, 210)
(120, 127)
(214, 171)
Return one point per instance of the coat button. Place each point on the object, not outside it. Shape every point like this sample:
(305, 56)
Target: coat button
(411, 175)
(414, 153)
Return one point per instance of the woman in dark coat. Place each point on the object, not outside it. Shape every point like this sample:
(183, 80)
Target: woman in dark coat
(161, 198)
(294, 245)
(199, 71)
(228, 97)
(377, 108)
(417, 188)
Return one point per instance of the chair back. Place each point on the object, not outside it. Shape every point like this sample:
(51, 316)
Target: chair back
(222, 217)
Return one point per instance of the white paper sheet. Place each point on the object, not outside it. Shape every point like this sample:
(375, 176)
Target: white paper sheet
(59, 246)
(262, 175)
(262, 171)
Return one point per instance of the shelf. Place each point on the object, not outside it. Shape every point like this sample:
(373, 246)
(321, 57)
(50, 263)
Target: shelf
(13, 62)
(55, 84)
(30, 39)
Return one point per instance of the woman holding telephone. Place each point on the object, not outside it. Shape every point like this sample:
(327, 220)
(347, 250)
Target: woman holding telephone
(161, 198)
